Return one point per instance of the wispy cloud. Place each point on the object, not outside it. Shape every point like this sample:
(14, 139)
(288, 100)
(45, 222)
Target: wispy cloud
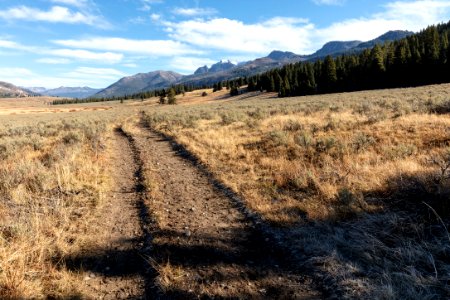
(85, 55)
(401, 15)
(53, 61)
(56, 14)
(238, 37)
(329, 2)
(154, 48)
(75, 3)
(57, 54)
(146, 5)
(194, 12)
(15, 72)
(81, 76)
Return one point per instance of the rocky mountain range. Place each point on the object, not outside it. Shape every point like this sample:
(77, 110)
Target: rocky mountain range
(66, 92)
(227, 70)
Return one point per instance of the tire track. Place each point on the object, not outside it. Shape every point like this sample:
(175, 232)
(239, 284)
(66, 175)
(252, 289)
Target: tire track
(205, 245)
(115, 261)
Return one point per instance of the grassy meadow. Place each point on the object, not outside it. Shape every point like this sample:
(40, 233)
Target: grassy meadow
(358, 184)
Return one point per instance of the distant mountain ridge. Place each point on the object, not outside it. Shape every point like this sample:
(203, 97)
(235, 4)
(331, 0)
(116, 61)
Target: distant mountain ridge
(227, 70)
(67, 92)
(140, 83)
(8, 90)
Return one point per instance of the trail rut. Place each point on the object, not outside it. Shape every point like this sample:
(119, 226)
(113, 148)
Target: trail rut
(203, 246)
(114, 261)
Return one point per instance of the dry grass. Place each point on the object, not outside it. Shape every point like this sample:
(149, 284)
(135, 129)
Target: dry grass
(53, 177)
(346, 174)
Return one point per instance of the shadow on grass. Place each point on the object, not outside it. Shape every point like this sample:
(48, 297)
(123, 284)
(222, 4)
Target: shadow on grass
(401, 250)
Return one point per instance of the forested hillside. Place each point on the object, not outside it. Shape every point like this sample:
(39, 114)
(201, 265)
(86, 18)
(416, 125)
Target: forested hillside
(419, 59)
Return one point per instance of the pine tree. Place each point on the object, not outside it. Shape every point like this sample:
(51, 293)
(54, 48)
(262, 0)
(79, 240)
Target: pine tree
(162, 97)
(272, 87)
(329, 75)
(171, 97)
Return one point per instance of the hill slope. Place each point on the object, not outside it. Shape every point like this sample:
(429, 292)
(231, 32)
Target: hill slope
(140, 82)
(9, 90)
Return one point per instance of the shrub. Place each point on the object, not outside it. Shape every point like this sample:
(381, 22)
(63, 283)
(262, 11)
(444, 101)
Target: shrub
(293, 126)
(362, 141)
(71, 138)
(303, 140)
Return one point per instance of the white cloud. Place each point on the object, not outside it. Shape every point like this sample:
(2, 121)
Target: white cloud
(146, 4)
(106, 73)
(188, 65)
(399, 15)
(75, 3)
(155, 17)
(130, 65)
(329, 2)
(102, 57)
(15, 72)
(194, 12)
(53, 61)
(56, 14)
(288, 34)
(418, 14)
(82, 76)
(60, 56)
(154, 48)
(300, 35)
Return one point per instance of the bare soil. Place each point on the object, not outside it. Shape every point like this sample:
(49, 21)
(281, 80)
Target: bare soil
(203, 245)
(113, 263)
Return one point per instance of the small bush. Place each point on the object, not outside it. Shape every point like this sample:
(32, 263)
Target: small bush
(293, 126)
(71, 138)
(325, 144)
(303, 140)
(362, 141)
(279, 138)
(231, 117)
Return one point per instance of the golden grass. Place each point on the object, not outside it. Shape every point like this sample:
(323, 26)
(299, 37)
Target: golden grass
(49, 184)
(343, 159)
(53, 175)
(286, 156)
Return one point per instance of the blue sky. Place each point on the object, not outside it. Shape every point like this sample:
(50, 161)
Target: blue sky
(54, 43)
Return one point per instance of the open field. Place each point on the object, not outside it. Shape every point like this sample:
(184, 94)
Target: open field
(349, 191)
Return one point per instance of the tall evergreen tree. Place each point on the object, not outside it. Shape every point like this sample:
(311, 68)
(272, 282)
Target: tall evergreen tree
(171, 96)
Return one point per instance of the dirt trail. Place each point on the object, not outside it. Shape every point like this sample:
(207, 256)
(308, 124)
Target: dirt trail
(112, 262)
(203, 246)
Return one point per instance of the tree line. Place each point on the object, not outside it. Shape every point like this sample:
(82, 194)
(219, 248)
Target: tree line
(420, 59)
